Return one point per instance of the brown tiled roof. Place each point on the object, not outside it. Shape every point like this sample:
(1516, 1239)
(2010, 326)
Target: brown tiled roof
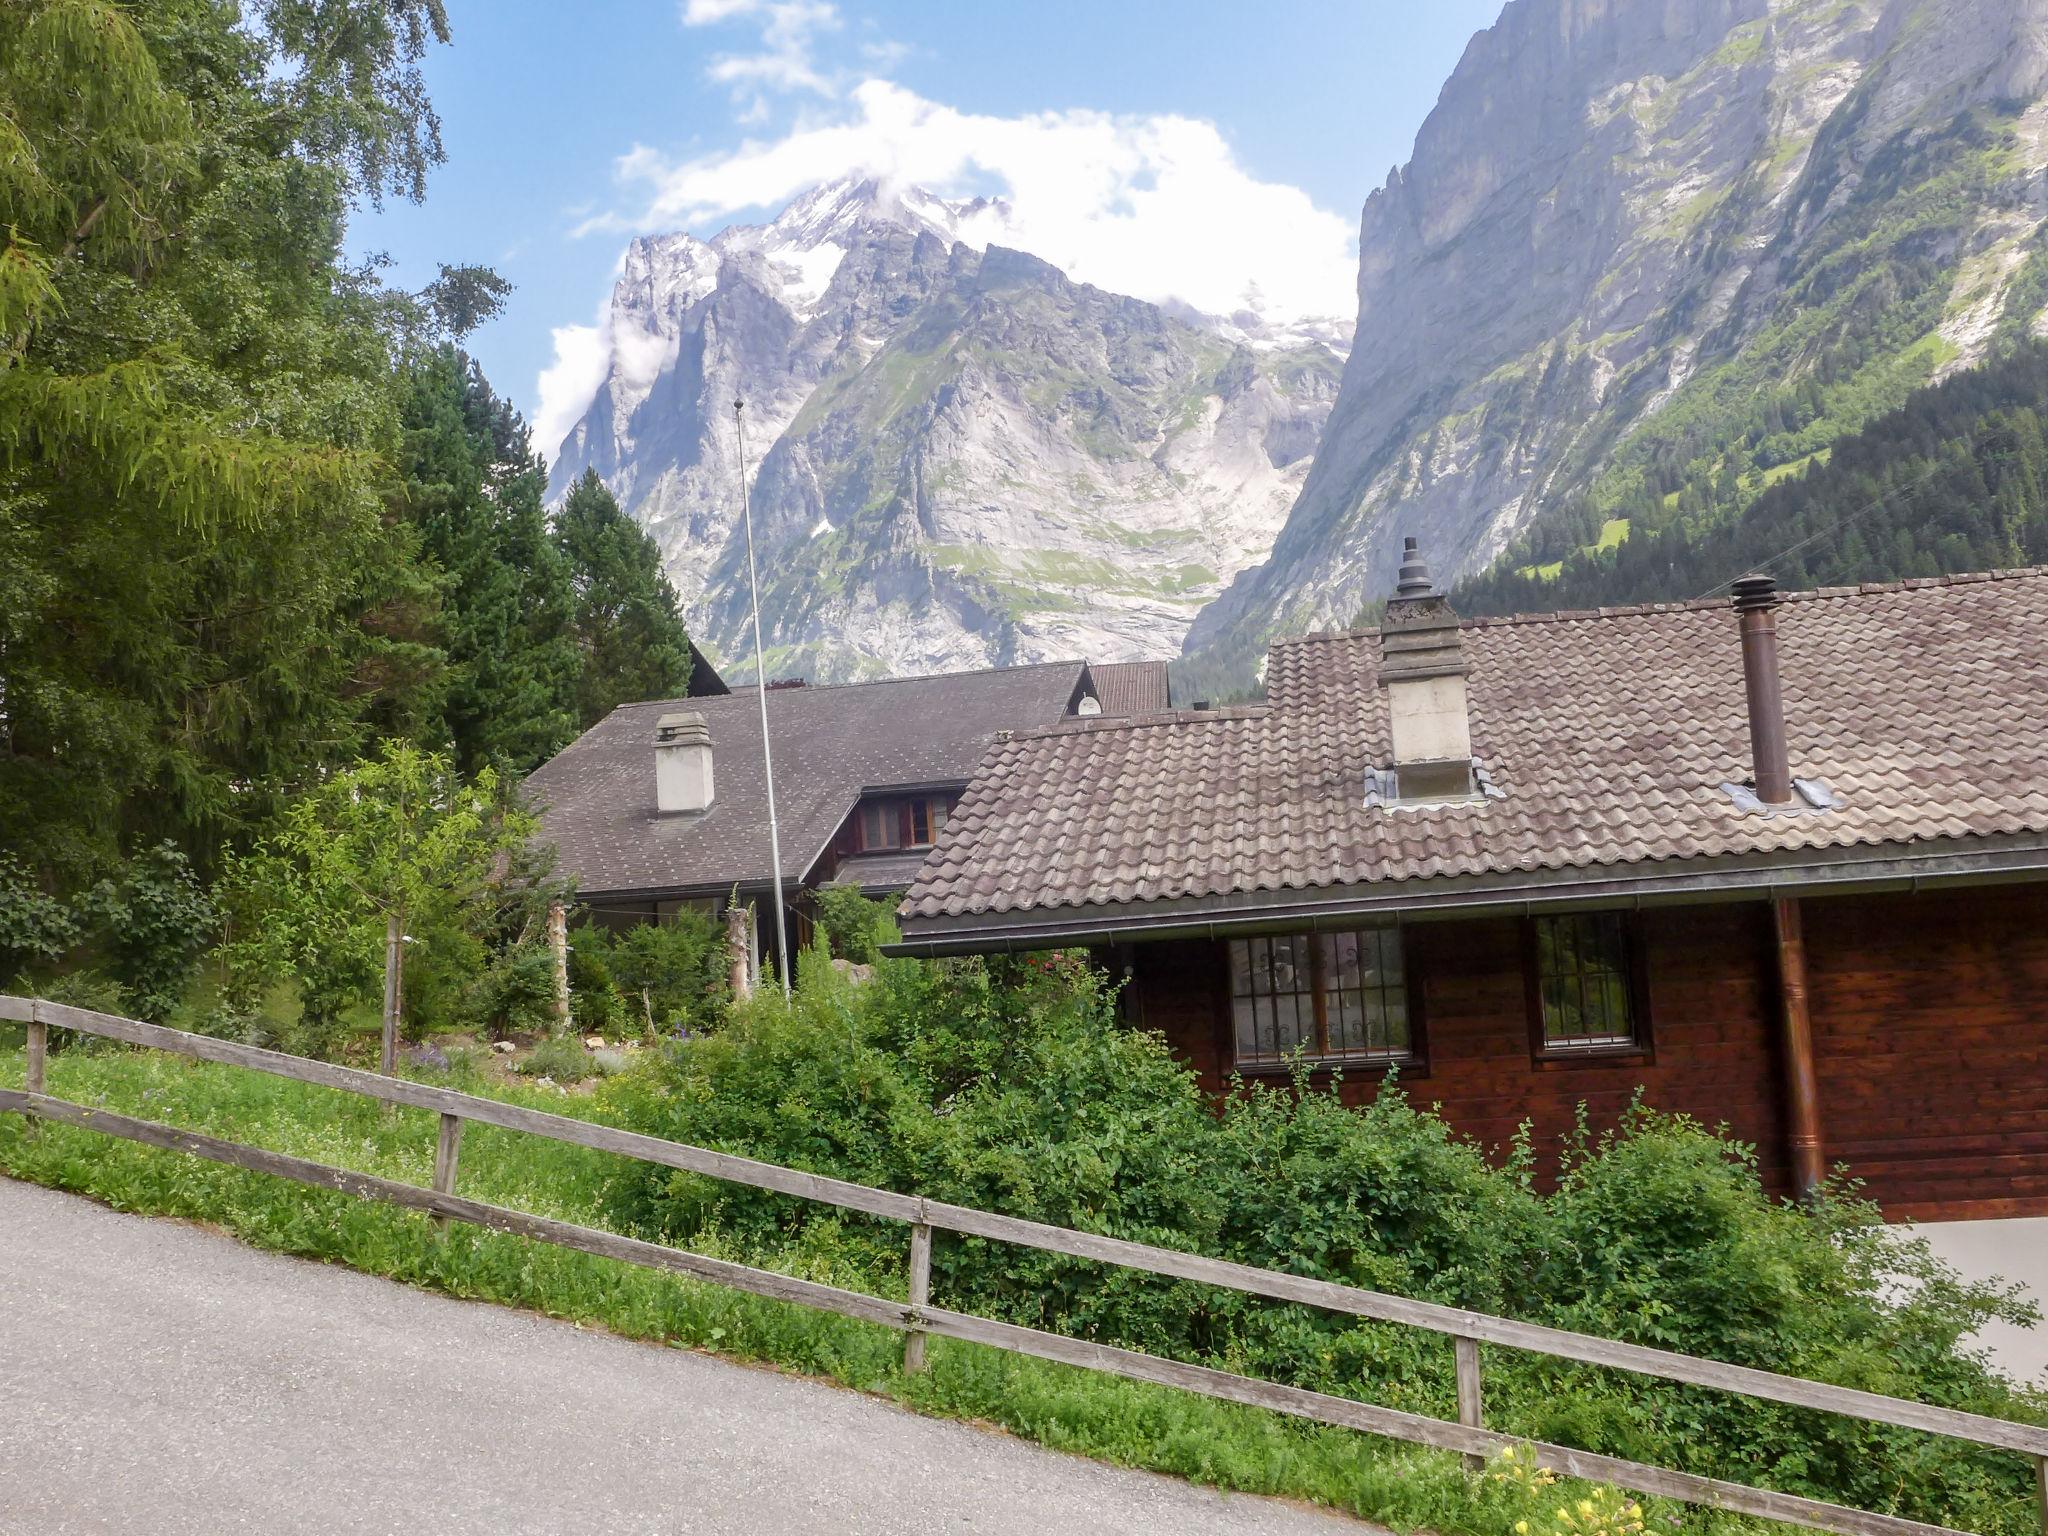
(597, 794)
(1126, 688)
(1923, 705)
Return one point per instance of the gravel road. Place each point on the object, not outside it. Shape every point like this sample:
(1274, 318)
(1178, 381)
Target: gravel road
(158, 1378)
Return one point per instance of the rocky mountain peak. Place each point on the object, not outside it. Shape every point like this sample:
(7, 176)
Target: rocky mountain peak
(1642, 245)
(959, 455)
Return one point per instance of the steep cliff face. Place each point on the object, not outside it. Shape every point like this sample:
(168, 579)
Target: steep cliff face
(959, 457)
(1645, 244)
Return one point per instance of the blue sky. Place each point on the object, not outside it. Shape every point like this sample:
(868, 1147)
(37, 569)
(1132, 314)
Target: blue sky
(1164, 149)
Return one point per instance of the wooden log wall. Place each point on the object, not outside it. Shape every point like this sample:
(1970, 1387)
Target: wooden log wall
(1929, 1016)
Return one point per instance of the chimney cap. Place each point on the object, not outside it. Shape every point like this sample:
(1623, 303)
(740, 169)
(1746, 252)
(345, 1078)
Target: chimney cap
(682, 728)
(1415, 580)
(1756, 593)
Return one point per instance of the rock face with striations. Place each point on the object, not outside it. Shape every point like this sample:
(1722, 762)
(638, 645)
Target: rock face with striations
(1625, 225)
(959, 457)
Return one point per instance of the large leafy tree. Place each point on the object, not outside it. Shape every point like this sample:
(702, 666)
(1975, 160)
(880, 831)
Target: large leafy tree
(628, 622)
(206, 592)
(474, 490)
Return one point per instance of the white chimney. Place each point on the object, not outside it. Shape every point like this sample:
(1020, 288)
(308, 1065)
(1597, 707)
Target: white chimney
(1422, 669)
(682, 764)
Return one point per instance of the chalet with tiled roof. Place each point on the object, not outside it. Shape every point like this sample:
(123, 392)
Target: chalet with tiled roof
(1780, 862)
(665, 803)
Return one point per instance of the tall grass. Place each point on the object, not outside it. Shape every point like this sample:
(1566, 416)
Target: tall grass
(1129, 1423)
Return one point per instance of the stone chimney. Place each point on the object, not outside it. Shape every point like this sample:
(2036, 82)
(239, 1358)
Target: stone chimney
(682, 764)
(1422, 669)
(1756, 607)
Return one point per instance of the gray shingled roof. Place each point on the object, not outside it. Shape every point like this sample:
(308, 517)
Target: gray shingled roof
(1126, 688)
(597, 794)
(1923, 705)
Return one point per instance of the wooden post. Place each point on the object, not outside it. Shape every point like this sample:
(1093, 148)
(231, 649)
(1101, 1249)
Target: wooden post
(2041, 1490)
(920, 1294)
(447, 1152)
(387, 1058)
(38, 1061)
(739, 951)
(1802, 1092)
(558, 941)
(1471, 1406)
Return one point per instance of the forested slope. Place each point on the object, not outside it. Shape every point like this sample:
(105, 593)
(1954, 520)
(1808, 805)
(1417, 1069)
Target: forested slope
(1954, 480)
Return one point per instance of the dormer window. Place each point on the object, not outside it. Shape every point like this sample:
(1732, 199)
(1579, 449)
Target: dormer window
(903, 821)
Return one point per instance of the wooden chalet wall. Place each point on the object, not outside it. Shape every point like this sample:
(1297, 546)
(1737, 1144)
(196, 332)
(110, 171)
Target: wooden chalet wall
(1930, 1020)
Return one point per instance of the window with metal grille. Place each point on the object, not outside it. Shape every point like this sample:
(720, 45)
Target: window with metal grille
(1586, 987)
(1327, 997)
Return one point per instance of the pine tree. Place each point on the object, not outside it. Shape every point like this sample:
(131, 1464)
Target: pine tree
(474, 490)
(203, 599)
(628, 623)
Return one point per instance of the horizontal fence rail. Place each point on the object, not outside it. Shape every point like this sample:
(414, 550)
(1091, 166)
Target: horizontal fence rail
(918, 1319)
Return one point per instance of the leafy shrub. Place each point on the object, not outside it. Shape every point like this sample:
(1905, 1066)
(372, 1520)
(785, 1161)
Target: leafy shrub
(34, 925)
(1009, 1085)
(560, 1058)
(154, 922)
(514, 993)
(855, 926)
(669, 976)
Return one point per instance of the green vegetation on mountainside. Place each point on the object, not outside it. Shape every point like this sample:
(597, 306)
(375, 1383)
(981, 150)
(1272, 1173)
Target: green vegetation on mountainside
(1954, 480)
(1854, 334)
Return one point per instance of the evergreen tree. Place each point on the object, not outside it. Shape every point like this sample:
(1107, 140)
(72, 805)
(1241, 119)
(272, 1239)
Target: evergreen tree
(203, 597)
(1955, 480)
(628, 622)
(474, 489)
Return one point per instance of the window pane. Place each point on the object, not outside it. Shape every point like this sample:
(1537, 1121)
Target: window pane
(1290, 964)
(1344, 960)
(1394, 1038)
(1288, 1010)
(1240, 968)
(1247, 1028)
(1582, 979)
(1347, 1023)
(1262, 967)
(1387, 956)
(1614, 991)
(940, 810)
(920, 822)
(1562, 1018)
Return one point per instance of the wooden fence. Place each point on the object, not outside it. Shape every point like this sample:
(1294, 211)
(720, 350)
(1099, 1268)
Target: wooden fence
(918, 1319)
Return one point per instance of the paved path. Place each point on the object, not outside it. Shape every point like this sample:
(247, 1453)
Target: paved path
(158, 1378)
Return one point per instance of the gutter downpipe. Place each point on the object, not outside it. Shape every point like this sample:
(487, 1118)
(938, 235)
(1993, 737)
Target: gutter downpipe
(1802, 1090)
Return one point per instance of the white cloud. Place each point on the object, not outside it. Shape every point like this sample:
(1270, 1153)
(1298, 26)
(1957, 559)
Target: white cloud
(1154, 206)
(583, 353)
(789, 32)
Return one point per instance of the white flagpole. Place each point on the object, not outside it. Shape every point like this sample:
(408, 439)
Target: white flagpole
(761, 689)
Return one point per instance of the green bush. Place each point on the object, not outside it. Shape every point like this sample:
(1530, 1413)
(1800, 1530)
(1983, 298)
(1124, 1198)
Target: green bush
(513, 994)
(855, 926)
(560, 1058)
(1009, 1085)
(669, 976)
(34, 925)
(154, 922)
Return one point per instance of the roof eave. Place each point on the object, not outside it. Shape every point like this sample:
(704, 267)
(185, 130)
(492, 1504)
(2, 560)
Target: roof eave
(1835, 871)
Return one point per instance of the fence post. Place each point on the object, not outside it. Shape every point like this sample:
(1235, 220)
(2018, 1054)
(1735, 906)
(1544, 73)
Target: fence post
(37, 1063)
(2041, 1490)
(1471, 1407)
(446, 1152)
(920, 1294)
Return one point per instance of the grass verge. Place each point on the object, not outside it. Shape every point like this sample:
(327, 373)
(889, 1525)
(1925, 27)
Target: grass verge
(1128, 1423)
